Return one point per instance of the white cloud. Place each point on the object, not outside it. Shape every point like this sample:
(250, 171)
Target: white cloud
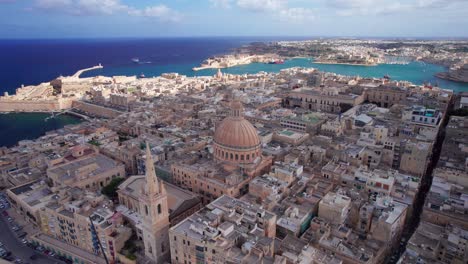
(262, 5)
(377, 7)
(160, 11)
(224, 4)
(105, 7)
(297, 14)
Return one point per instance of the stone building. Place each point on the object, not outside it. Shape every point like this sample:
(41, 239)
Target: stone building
(155, 214)
(237, 160)
(226, 231)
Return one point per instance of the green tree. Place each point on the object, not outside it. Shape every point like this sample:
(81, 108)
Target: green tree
(459, 112)
(110, 190)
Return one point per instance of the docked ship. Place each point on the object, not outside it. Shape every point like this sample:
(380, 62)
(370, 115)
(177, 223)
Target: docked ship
(276, 62)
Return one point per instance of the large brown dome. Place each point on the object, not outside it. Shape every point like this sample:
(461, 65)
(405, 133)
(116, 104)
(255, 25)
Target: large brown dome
(236, 139)
(236, 132)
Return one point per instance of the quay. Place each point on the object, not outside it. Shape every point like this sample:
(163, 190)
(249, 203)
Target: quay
(78, 73)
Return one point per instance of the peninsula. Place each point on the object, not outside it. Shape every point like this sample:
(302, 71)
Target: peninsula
(231, 60)
(317, 159)
(456, 74)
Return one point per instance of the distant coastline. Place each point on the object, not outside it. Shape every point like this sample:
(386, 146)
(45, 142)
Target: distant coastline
(343, 63)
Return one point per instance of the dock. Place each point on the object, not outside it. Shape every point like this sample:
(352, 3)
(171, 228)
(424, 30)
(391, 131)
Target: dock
(78, 73)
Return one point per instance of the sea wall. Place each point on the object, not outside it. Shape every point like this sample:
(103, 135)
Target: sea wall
(96, 110)
(34, 106)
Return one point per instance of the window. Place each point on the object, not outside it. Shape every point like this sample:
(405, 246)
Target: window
(159, 208)
(146, 209)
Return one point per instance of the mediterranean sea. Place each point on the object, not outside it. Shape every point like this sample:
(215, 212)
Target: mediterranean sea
(31, 62)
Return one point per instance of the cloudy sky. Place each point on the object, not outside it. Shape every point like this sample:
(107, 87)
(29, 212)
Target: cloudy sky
(157, 18)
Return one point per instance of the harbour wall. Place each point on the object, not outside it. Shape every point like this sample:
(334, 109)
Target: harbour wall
(96, 110)
(34, 106)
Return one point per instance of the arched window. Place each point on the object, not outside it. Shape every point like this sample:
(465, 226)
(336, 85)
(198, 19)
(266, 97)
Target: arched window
(159, 208)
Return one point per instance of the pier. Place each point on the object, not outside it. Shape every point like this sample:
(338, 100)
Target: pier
(78, 73)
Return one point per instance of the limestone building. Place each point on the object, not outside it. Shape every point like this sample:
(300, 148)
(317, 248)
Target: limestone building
(153, 204)
(237, 160)
(228, 230)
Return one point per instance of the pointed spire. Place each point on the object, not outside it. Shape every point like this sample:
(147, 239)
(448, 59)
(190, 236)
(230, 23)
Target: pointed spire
(152, 181)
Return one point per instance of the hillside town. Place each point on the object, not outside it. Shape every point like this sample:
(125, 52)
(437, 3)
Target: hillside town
(295, 167)
(452, 54)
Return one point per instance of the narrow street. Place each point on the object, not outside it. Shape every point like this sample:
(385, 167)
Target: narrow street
(426, 183)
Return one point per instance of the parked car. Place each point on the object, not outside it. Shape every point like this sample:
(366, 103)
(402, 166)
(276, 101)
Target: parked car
(9, 258)
(22, 234)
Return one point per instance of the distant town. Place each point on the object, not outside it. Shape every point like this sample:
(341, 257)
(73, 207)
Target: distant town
(295, 167)
(451, 54)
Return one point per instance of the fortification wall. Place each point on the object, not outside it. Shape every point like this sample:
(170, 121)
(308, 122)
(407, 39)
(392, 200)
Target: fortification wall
(29, 106)
(8, 105)
(96, 110)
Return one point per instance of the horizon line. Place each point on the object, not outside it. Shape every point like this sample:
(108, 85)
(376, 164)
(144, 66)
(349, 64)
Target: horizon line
(304, 37)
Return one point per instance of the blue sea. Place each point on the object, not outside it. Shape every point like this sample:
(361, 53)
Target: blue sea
(31, 62)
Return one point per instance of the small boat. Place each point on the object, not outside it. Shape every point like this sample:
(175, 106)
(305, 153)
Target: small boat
(136, 60)
(387, 77)
(276, 62)
(142, 76)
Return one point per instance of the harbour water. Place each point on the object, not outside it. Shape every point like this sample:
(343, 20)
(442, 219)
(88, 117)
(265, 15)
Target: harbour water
(31, 62)
(415, 72)
(19, 126)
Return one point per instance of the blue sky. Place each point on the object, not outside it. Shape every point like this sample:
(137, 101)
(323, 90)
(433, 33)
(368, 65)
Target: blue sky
(160, 18)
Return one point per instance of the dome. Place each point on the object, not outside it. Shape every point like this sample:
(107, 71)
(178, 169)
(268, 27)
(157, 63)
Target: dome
(236, 139)
(236, 133)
